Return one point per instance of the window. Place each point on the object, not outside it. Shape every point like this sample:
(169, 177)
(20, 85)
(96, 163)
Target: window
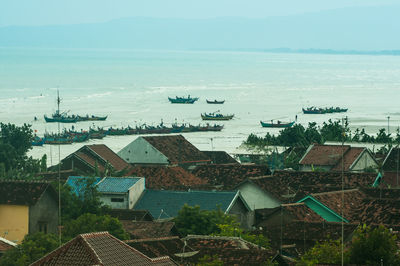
(43, 227)
(117, 199)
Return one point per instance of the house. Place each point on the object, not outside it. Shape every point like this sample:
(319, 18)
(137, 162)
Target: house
(92, 158)
(329, 158)
(167, 177)
(163, 150)
(27, 207)
(99, 249)
(149, 229)
(6, 245)
(130, 215)
(116, 192)
(291, 186)
(164, 204)
(391, 167)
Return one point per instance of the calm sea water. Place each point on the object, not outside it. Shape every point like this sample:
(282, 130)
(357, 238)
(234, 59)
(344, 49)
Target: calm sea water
(132, 86)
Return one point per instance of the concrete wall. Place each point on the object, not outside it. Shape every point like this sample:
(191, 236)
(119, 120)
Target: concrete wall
(309, 168)
(257, 198)
(14, 222)
(44, 211)
(245, 217)
(140, 151)
(106, 198)
(363, 162)
(135, 192)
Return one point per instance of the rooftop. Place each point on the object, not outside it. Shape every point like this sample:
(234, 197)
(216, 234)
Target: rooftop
(166, 204)
(99, 249)
(116, 184)
(21, 192)
(149, 229)
(220, 157)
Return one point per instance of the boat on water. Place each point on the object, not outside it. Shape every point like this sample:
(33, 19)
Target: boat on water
(91, 118)
(278, 124)
(216, 116)
(215, 102)
(37, 141)
(183, 99)
(330, 110)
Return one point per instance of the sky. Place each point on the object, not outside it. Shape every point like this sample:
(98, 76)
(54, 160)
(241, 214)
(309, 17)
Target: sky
(56, 12)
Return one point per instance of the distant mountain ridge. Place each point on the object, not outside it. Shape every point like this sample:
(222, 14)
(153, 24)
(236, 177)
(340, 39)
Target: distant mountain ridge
(347, 29)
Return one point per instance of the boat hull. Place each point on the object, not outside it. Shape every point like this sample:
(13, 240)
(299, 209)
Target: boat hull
(60, 119)
(276, 125)
(217, 118)
(182, 100)
(215, 102)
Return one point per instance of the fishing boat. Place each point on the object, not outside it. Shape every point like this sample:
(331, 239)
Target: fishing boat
(91, 118)
(60, 117)
(330, 110)
(215, 102)
(37, 141)
(216, 116)
(279, 124)
(182, 99)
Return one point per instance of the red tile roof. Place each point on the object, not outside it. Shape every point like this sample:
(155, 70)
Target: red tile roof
(21, 192)
(291, 186)
(392, 160)
(324, 154)
(220, 157)
(99, 249)
(168, 178)
(227, 176)
(130, 215)
(177, 149)
(109, 156)
(348, 159)
(6, 245)
(149, 229)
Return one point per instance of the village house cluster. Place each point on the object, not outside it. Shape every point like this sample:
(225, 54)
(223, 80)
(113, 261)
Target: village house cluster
(157, 175)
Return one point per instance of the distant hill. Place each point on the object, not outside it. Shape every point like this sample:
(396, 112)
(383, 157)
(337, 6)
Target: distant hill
(361, 29)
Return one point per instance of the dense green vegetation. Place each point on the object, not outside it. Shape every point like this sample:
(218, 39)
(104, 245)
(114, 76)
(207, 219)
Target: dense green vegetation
(298, 136)
(15, 142)
(368, 247)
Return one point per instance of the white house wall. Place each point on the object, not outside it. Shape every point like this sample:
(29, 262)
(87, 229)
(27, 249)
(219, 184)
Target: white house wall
(140, 151)
(257, 198)
(106, 200)
(364, 161)
(135, 192)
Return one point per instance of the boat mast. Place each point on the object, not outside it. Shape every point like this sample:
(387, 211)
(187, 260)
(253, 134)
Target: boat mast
(58, 102)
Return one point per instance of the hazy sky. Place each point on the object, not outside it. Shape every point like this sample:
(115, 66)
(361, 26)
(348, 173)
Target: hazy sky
(45, 12)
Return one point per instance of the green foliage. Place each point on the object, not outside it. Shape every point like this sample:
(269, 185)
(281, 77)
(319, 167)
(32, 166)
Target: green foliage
(374, 247)
(43, 163)
(32, 248)
(88, 223)
(233, 229)
(192, 220)
(210, 261)
(328, 252)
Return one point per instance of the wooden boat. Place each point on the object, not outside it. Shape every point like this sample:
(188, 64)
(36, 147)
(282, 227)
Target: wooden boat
(216, 116)
(279, 124)
(91, 118)
(60, 118)
(314, 110)
(182, 99)
(215, 102)
(37, 141)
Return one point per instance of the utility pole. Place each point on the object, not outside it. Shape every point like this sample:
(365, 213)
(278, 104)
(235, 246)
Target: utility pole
(388, 124)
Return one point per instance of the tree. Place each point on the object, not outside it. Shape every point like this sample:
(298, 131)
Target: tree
(233, 229)
(328, 252)
(193, 220)
(88, 223)
(374, 247)
(33, 247)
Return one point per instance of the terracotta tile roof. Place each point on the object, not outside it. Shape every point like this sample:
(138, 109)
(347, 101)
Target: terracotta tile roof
(99, 249)
(291, 186)
(324, 154)
(169, 178)
(6, 245)
(160, 246)
(130, 215)
(152, 229)
(301, 212)
(89, 160)
(227, 176)
(392, 160)
(21, 192)
(177, 149)
(349, 158)
(220, 157)
(390, 179)
(109, 156)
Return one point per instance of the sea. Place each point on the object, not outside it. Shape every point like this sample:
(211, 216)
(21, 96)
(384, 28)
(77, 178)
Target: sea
(132, 88)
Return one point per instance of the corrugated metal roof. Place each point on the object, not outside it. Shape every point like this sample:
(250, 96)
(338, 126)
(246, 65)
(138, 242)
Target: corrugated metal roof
(116, 184)
(77, 182)
(166, 204)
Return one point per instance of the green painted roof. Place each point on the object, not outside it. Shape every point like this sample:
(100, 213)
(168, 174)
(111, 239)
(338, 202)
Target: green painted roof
(166, 204)
(328, 214)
